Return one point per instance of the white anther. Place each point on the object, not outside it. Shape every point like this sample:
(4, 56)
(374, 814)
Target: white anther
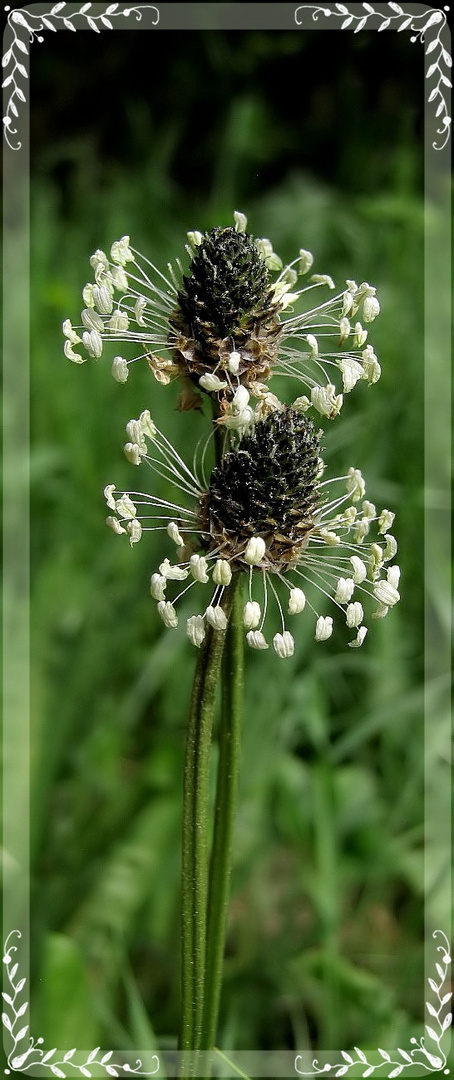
(147, 425)
(306, 260)
(283, 644)
(118, 321)
(139, 308)
(172, 573)
(324, 628)
(359, 569)
(325, 400)
(168, 614)
(355, 614)
(216, 617)
(102, 298)
(92, 320)
(92, 341)
(362, 631)
(323, 279)
(391, 547)
(120, 251)
(195, 630)
(393, 575)
(255, 550)
(256, 640)
(222, 574)
(372, 369)
(114, 524)
(360, 336)
(352, 371)
(233, 362)
(198, 567)
(329, 537)
(355, 484)
(120, 369)
(344, 591)
(313, 344)
(157, 586)
(385, 521)
(108, 495)
(240, 221)
(344, 329)
(296, 601)
(133, 453)
(251, 615)
(195, 238)
(371, 308)
(386, 593)
(125, 507)
(172, 531)
(212, 383)
(134, 529)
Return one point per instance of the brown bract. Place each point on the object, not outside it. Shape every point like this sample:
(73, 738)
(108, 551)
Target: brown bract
(257, 343)
(281, 551)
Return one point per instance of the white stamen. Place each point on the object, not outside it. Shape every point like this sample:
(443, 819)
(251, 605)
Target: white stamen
(172, 531)
(255, 550)
(120, 369)
(256, 640)
(297, 601)
(168, 614)
(157, 586)
(355, 614)
(324, 628)
(172, 573)
(222, 574)
(251, 615)
(195, 630)
(216, 617)
(283, 644)
(198, 567)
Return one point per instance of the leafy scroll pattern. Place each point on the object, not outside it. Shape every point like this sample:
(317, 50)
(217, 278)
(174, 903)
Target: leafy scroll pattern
(34, 1053)
(26, 27)
(392, 1064)
(428, 24)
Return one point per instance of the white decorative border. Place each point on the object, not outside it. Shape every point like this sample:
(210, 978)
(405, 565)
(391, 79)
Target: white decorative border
(398, 19)
(17, 20)
(429, 1062)
(439, 56)
(23, 1060)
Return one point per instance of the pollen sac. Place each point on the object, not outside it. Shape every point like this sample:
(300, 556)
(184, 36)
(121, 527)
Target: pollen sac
(226, 308)
(267, 488)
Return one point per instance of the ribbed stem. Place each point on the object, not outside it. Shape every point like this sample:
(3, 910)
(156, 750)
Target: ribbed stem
(196, 831)
(227, 782)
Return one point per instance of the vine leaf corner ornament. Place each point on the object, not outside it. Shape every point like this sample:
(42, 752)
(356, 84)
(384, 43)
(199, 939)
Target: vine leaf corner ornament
(383, 1064)
(20, 1059)
(429, 23)
(26, 26)
(393, 1064)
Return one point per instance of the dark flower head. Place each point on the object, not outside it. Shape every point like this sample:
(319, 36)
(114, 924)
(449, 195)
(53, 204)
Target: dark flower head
(268, 514)
(227, 306)
(228, 324)
(267, 487)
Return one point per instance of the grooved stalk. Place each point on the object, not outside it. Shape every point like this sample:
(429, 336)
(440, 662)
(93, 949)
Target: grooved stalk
(196, 831)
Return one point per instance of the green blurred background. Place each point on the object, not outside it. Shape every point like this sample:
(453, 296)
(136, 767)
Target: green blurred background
(318, 139)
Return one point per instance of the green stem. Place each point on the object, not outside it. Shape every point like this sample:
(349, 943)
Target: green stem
(194, 873)
(227, 782)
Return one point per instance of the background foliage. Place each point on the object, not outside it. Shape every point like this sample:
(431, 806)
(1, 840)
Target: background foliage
(318, 138)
